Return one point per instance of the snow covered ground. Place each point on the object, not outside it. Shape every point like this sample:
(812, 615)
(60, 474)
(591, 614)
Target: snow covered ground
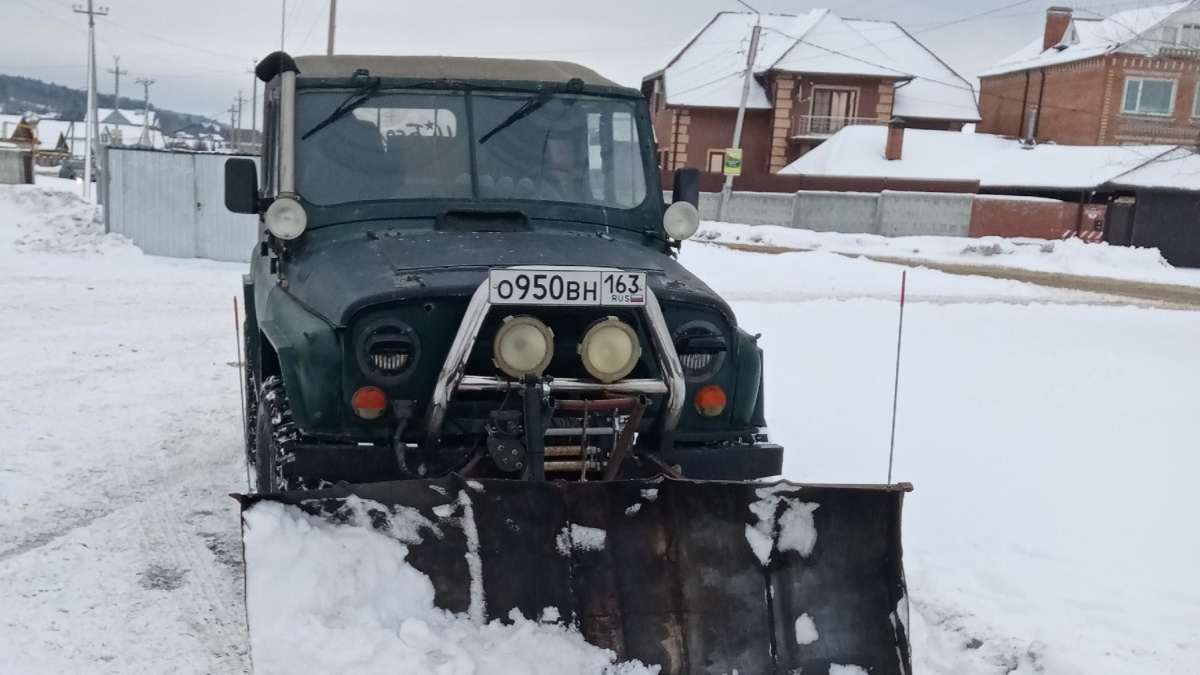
(1071, 256)
(1050, 435)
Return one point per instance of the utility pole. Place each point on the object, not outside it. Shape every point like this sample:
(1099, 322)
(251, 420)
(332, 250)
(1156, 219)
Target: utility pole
(237, 130)
(145, 139)
(92, 135)
(117, 73)
(282, 24)
(741, 115)
(332, 25)
(253, 112)
(233, 121)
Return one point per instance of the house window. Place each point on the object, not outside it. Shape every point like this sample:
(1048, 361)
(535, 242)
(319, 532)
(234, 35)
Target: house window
(716, 161)
(1148, 97)
(1187, 35)
(833, 109)
(1196, 101)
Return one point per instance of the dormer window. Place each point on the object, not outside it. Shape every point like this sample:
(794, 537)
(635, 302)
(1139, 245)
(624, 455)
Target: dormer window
(1186, 35)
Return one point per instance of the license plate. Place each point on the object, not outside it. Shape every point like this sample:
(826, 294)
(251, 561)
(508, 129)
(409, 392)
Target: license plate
(567, 287)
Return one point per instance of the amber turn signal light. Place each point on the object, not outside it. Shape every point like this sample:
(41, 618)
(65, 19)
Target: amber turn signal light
(369, 403)
(710, 401)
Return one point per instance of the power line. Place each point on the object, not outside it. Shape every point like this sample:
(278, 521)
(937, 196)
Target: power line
(51, 16)
(316, 22)
(174, 43)
(963, 87)
(294, 15)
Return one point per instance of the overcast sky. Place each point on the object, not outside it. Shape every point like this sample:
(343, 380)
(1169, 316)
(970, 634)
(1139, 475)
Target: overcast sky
(198, 52)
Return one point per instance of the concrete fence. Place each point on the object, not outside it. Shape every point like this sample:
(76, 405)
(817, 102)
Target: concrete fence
(899, 214)
(15, 166)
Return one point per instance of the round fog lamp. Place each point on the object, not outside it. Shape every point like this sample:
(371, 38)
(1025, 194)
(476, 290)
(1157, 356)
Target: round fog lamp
(285, 218)
(610, 349)
(523, 345)
(681, 220)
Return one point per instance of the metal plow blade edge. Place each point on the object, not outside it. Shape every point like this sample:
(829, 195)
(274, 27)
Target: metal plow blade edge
(698, 577)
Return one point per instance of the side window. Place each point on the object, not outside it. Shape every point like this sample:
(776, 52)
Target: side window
(627, 158)
(614, 159)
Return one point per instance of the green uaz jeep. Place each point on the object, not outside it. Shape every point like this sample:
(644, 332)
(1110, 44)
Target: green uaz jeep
(466, 265)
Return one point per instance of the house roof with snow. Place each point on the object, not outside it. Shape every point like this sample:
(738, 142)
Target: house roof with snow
(708, 71)
(133, 118)
(1135, 31)
(998, 162)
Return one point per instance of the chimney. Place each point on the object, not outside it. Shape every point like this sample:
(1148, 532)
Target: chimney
(895, 139)
(1058, 19)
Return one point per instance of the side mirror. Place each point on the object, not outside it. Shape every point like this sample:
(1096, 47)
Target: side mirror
(687, 186)
(241, 185)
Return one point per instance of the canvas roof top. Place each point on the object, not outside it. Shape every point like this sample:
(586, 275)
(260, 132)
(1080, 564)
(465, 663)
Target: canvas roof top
(998, 162)
(450, 67)
(1089, 37)
(708, 70)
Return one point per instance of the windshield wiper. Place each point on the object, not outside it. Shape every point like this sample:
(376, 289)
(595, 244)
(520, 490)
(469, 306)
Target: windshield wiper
(348, 106)
(531, 106)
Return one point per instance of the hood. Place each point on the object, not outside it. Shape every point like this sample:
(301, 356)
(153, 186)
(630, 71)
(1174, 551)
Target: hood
(337, 278)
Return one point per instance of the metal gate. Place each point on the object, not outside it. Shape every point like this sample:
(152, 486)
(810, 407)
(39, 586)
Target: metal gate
(173, 204)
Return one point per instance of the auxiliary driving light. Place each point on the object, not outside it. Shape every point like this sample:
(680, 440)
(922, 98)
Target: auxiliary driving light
(523, 345)
(610, 349)
(285, 218)
(369, 403)
(681, 220)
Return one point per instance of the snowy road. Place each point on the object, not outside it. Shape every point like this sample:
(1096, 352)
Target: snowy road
(119, 438)
(1050, 436)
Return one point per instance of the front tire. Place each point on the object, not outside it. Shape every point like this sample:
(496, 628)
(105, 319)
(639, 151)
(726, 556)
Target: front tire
(275, 434)
(250, 405)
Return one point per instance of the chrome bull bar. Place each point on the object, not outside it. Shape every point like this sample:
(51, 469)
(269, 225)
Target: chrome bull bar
(453, 377)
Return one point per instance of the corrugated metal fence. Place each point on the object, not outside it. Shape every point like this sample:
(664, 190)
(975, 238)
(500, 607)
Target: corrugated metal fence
(173, 204)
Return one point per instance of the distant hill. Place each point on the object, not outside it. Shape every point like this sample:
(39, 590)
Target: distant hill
(20, 95)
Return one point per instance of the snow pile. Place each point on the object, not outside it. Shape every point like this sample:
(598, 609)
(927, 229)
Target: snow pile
(784, 524)
(806, 630)
(1069, 256)
(368, 611)
(54, 221)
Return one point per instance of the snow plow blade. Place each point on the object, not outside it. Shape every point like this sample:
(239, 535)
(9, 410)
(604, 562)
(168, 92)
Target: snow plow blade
(698, 577)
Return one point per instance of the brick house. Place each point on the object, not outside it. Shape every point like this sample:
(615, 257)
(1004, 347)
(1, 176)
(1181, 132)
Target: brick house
(1132, 78)
(814, 74)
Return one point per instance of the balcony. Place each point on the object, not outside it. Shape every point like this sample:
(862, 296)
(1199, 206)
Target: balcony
(815, 126)
(1179, 52)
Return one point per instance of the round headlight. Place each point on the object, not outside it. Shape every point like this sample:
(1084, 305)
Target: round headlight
(610, 349)
(523, 345)
(681, 220)
(285, 218)
(701, 348)
(387, 350)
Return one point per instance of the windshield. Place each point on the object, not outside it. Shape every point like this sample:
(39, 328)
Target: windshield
(420, 145)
